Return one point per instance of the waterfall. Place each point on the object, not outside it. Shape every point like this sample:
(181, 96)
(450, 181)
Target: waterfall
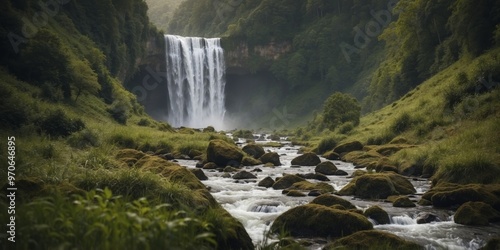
(196, 81)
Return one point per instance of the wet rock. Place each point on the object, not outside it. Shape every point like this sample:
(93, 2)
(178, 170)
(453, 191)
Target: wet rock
(305, 185)
(330, 200)
(314, 176)
(348, 147)
(222, 153)
(199, 164)
(372, 239)
(307, 159)
(313, 220)
(493, 244)
(377, 214)
(476, 214)
(340, 172)
(295, 166)
(230, 169)
(271, 157)
(425, 218)
(244, 175)
(210, 165)
(378, 186)
(266, 182)
(326, 168)
(254, 150)
(314, 193)
(403, 202)
(194, 153)
(226, 175)
(199, 174)
(331, 155)
(295, 193)
(250, 161)
(287, 181)
(269, 165)
(256, 170)
(357, 173)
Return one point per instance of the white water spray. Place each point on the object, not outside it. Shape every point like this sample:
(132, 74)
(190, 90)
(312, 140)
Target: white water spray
(196, 81)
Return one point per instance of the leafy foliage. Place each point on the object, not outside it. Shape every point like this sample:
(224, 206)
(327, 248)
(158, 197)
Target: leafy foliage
(341, 108)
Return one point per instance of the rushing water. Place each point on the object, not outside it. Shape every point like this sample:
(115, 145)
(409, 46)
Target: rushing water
(196, 81)
(257, 207)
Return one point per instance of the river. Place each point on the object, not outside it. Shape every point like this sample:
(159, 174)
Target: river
(257, 207)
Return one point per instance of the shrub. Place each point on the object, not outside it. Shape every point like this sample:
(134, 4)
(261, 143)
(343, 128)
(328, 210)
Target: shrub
(119, 112)
(340, 108)
(144, 122)
(346, 127)
(401, 124)
(58, 124)
(326, 144)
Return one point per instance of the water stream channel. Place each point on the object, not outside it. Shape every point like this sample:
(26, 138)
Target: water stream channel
(257, 207)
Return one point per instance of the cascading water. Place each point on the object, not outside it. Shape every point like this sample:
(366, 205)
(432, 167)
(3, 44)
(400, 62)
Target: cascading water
(196, 81)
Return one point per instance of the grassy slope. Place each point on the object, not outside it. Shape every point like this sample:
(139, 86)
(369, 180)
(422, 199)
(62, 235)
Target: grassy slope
(457, 132)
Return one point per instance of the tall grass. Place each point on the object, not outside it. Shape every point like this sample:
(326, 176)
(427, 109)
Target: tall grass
(101, 220)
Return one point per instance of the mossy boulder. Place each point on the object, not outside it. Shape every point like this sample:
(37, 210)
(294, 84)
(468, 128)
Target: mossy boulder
(221, 152)
(254, 150)
(229, 232)
(330, 155)
(330, 200)
(372, 239)
(286, 181)
(378, 186)
(476, 214)
(271, 157)
(307, 159)
(210, 165)
(313, 220)
(348, 147)
(403, 201)
(266, 182)
(362, 159)
(305, 185)
(377, 214)
(199, 174)
(129, 156)
(454, 195)
(250, 161)
(326, 168)
(295, 193)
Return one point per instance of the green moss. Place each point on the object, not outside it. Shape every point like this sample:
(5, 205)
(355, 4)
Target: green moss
(378, 186)
(378, 214)
(476, 214)
(221, 152)
(372, 239)
(313, 220)
(330, 200)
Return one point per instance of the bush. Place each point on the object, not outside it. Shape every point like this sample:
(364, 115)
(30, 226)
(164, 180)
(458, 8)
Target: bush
(401, 124)
(119, 112)
(58, 124)
(346, 128)
(326, 144)
(144, 122)
(340, 108)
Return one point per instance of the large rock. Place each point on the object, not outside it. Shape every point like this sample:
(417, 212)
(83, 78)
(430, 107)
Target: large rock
(348, 147)
(326, 168)
(199, 174)
(454, 195)
(313, 220)
(476, 214)
(403, 201)
(221, 153)
(266, 182)
(254, 150)
(377, 214)
(307, 159)
(330, 200)
(305, 185)
(378, 186)
(244, 175)
(229, 232)
(372, 239)
(271, 157)
(287, 181)
(314, 176)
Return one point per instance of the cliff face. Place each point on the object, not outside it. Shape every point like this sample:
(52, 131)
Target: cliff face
(241, 58)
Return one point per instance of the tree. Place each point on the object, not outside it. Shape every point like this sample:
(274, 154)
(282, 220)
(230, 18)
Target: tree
(340, 108)
(84, 78)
